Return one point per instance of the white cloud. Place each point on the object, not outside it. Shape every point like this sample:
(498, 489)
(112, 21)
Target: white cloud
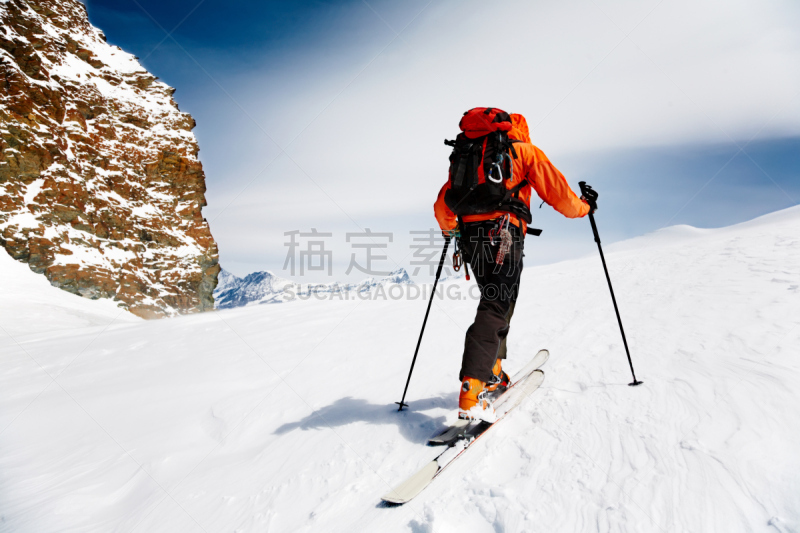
(687, 72)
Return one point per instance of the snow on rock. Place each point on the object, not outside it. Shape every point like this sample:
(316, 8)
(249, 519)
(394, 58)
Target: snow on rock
(266, 288)
(281, 418)
(100, 186)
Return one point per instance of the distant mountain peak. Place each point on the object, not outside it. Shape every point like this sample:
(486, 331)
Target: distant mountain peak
(266, 287)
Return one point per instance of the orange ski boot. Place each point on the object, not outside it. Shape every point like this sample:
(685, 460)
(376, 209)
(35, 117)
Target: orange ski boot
(473, 403)
(500, 380)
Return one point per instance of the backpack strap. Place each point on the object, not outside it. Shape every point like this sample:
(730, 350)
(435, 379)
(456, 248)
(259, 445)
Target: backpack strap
(514, 191)
(460, 170)
(477, 150)
(516, 188)
(458, 177)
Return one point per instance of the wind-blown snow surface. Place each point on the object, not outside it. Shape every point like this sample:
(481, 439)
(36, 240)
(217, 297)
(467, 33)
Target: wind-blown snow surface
(281, 418)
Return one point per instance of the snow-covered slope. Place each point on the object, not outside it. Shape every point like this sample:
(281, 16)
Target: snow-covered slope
(30, 306)
(281, 418)
(267, 288)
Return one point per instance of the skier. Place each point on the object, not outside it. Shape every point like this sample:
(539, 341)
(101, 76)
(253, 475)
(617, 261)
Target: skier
(485, 208)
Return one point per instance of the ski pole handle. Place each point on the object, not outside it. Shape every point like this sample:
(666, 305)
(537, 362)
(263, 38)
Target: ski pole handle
(589, 193)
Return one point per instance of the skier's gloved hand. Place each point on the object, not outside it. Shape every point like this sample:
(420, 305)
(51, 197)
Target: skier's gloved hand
(592, 203)
(589, 196)
(451, 233)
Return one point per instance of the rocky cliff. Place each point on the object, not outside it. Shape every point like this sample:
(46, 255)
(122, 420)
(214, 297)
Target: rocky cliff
(100, 186)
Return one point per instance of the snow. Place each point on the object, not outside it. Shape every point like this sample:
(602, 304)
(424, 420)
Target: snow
(31, 308)
(145, 211)
(23, 220)
(282, 417)
(34, 188)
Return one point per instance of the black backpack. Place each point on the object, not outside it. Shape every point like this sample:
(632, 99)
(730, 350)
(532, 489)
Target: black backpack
(481, 166)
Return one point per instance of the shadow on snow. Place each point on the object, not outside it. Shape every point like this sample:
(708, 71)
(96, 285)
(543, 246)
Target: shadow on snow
(413, 424)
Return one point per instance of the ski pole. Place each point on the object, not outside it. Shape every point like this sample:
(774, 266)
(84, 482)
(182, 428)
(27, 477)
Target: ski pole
(591, 194)
(425, 321)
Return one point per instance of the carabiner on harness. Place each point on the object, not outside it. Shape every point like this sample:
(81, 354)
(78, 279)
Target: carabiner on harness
(458, 260)
(496, 169)
(499, 173)
(497, 228)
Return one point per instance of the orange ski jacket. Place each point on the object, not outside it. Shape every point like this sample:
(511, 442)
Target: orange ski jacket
(531, 165)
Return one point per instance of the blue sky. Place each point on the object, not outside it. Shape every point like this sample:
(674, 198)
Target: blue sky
(332, 114)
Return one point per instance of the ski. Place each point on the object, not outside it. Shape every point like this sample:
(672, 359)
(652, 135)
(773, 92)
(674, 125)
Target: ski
(460, 427)
(411, 487)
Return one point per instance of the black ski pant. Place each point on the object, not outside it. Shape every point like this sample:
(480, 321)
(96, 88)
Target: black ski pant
(499, 285)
